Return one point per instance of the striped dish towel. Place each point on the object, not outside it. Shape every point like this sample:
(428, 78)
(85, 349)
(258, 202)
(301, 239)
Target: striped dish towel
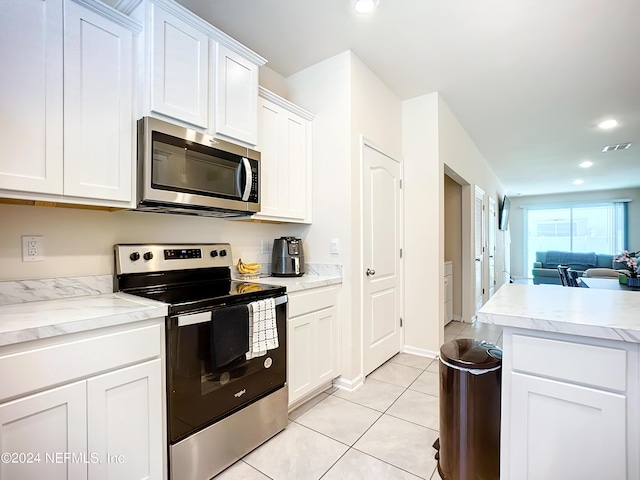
(263, 331)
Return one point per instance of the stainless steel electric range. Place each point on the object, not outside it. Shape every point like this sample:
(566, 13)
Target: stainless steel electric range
(225, 352)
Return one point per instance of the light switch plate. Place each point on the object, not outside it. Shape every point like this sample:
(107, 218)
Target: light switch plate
(335, 246)
(32, 248)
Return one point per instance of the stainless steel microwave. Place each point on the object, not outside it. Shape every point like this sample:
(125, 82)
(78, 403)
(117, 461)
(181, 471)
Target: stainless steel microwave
(187, 172)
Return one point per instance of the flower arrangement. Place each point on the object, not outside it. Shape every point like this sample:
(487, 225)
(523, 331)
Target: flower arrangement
(631, 260)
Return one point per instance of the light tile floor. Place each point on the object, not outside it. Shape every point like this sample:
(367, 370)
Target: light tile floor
(385, 429)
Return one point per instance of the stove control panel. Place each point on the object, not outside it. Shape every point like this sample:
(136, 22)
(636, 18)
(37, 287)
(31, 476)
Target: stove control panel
(144, 258)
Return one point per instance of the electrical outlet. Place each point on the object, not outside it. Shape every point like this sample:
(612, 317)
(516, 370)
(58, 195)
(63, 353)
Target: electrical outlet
(265, 246)
(32, 248)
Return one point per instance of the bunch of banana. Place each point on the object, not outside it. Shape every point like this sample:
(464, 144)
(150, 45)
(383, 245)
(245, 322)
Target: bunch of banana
(248, 268)
(248, 287)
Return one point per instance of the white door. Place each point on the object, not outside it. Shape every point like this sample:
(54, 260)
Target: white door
(381, 256)
(479, 246)
(492, 246)
(51, 424)
(125, 423)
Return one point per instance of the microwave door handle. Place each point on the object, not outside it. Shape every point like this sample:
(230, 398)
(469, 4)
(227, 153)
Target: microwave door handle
(248, 179)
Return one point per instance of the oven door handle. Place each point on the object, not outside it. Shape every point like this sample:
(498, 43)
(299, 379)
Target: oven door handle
(203, 317)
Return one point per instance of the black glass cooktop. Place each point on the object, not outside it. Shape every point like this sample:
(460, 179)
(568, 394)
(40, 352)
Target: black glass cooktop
(190, 291)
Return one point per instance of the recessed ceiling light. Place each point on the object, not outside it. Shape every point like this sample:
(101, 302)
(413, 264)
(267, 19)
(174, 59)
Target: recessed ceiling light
(578, 182)
(365, 6)
(608, 124)
(586, 164)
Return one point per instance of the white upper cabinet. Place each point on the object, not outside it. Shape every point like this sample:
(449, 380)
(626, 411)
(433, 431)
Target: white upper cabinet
(98, 106)
(236, 97)
(197, 75)
(31, 99)
(67, 122)
(179, 69)
(284, 141)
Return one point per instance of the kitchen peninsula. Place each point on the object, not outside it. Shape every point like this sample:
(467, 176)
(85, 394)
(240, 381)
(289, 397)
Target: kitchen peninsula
(570, 384)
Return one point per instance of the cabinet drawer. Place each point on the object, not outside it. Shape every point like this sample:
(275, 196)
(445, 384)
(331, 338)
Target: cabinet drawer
(311, 301)
(599, 366)
(39, 368)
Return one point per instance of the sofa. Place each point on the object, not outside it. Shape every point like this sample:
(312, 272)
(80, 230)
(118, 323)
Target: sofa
(545, 268)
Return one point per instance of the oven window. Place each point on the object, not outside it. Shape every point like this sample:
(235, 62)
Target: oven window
(182, 166)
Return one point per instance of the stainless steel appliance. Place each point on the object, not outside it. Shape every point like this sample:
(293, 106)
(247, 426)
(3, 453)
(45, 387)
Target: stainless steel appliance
(287, 258)
(223, 398)
(187, 172)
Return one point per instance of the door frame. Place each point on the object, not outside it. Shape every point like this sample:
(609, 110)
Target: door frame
(359, 268)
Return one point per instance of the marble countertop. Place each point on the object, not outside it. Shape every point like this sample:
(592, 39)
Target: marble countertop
(590, 312)
(294, 284)
(21, 322)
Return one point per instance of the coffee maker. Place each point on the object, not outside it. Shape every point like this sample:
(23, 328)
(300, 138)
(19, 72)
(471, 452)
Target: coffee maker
(287, 259)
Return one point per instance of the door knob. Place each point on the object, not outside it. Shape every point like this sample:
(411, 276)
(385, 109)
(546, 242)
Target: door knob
(478, 259)
(370, 272)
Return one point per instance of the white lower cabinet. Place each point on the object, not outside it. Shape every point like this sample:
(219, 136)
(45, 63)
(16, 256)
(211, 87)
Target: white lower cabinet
(37, 430)
(123, 411)
(448, 292)
(313, 352)
(102, 426)
(569, 408)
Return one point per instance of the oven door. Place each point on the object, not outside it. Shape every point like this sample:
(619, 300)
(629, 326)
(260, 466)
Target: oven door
(199, 393)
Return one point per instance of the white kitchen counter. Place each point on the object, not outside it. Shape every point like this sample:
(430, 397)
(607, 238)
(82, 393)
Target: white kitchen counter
(33, 320)
(589, 312)
(294, 284)
(570, 374)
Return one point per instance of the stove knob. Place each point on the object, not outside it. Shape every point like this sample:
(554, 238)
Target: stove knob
(134, 256)
(214, 253)
(148, 255)
(223, 253)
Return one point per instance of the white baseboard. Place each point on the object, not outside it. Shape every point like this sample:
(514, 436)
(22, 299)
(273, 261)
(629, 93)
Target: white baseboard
(422, 352)
(349, 385)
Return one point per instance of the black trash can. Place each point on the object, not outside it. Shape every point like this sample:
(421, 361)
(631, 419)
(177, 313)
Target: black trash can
(470, 387)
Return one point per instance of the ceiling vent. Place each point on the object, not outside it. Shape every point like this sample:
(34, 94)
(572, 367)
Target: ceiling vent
(620, 146)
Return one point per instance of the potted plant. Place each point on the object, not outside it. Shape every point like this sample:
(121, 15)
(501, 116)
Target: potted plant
(631, 261)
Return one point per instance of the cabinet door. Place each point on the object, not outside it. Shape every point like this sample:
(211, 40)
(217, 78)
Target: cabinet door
(300, 356)
(236, 96)
(125, 423)
(327, 346)
(51, 424)
(98, 106)
(31, 99)
(271, 168)
(282, 139)
(565, 431)
(179, 70)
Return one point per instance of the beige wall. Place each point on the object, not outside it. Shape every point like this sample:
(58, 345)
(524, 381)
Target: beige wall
(516, 227)
(80, 242)
(348, 101)
(432, 139)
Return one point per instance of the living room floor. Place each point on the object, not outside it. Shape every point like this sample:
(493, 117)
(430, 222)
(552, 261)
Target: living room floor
(385, 429)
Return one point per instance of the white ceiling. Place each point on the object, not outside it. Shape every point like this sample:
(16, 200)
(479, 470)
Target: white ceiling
(528, 79)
